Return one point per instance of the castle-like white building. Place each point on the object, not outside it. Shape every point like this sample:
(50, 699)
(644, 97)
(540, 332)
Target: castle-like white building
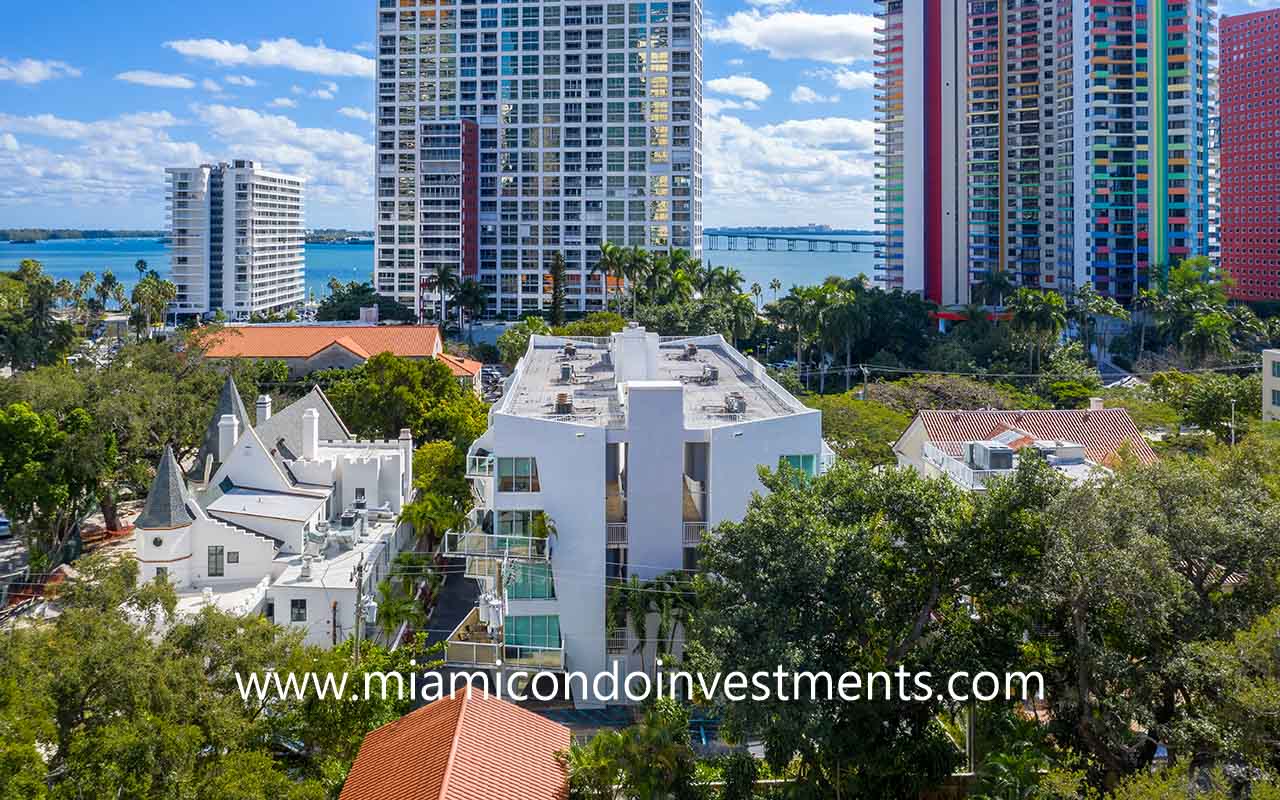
(292, 517)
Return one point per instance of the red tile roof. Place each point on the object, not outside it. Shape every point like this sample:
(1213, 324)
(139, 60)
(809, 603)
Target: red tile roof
(462, 367)
(304, 341)
(1102, 432)
(468, 746)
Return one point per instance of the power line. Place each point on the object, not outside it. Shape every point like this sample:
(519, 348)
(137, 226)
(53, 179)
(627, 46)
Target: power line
(859, 368)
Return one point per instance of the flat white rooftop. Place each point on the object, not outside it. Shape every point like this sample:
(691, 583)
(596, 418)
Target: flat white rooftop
(721, 386)
(336, 569)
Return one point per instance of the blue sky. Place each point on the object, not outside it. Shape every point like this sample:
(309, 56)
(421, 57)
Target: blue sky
(95, 102)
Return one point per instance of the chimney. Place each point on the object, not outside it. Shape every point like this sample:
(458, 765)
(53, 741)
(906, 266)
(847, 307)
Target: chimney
(1095, 404)
(264, 408)
(228, 433)
(310, 434)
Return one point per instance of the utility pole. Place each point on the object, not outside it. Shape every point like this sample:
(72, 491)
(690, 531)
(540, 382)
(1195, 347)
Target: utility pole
(359, 610)
(866, 378)
(1233, 422)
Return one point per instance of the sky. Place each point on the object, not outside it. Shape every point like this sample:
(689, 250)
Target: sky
(96, 100)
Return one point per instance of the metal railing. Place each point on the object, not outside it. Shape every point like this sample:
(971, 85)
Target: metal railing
(615, 534)
(693, 533)
(477, 543)
(956, 469)
(485, 649)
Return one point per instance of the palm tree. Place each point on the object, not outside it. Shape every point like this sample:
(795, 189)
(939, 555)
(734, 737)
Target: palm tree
(845, 317)
(756, 291)
(636, 268)
(103, 291)
(995, 286)
(1041, 316)
(742, 312)
(612, 265)
(1089, 305)
(776, 286)
(432, 516)
(471, 297)
(1209, 335)
(141, 266)
(445, 281)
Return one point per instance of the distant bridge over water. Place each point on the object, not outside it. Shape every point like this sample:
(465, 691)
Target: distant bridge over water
(718, 239)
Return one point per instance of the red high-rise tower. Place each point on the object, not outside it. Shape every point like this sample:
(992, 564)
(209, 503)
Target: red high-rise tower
(1250, 153)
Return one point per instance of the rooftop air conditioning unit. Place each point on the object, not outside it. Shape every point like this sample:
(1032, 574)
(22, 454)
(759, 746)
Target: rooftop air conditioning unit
(564, 403)
(710, 374)
(690, 350)
(570, 350)
(735, 403)
(566, 373)
(990, 456)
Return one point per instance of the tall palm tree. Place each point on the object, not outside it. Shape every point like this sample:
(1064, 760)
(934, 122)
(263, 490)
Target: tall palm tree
(756, 291)
(742, 312)
(846, 318)
(776, 286)
(445, 281)
(612, 265)
(995, 285)
(1041, 316)
(472, 298)
(141, 266)
(106, 286)
(1209, 335)
(636, 268)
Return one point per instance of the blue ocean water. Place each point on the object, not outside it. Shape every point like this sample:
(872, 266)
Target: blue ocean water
(69, 258)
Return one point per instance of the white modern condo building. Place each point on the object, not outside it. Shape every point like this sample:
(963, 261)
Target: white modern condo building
(608, 459)
(237, 239)
(508, 133)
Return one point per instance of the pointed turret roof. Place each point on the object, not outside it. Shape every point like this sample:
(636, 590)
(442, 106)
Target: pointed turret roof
(166, 506)
(229, 402)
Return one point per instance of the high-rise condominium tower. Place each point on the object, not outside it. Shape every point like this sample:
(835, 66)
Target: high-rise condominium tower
(1087, 153)
(1251, 154)
(920, 201)
(237, 239)
(508, 133)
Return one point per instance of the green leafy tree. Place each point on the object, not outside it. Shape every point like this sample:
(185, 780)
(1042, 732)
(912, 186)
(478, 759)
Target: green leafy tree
(862, 430)
(1040, 317)
(865, 570)
(387, 394)
(345, 301)
(514, 341)
(651, 760)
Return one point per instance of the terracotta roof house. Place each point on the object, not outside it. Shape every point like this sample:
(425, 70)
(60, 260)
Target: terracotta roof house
(308, 348)
(468, 746)
(972, 447)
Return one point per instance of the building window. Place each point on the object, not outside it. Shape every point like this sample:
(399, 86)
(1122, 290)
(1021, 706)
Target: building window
(518, 475)
(270, 612)
(538, 631)
(690, 559)
(217, 561)
(233, 557)
(1275, 397)
(297, 610)
(808, 464)
(533, 581)
(1275, 369)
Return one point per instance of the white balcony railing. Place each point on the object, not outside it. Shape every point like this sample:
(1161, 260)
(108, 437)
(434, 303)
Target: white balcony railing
(474, 644)
(615, 534)
(480, 466)
(954, 467)
(478, 544)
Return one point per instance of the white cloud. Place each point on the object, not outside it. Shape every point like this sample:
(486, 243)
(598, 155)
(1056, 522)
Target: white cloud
(812, 169)
(156, 80)
(283, 102)
(240, 80)
(736, 62)
(769, 3)
(356, 113)
(835, 38)
(211, 85)
(297, 90)
(327, 91)
(850, 79)
(715, 105)
(803, 94)
(338, 165)
(287, 53)
(93, 162)
(363, 47)
(30, 71)
(743, 86)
